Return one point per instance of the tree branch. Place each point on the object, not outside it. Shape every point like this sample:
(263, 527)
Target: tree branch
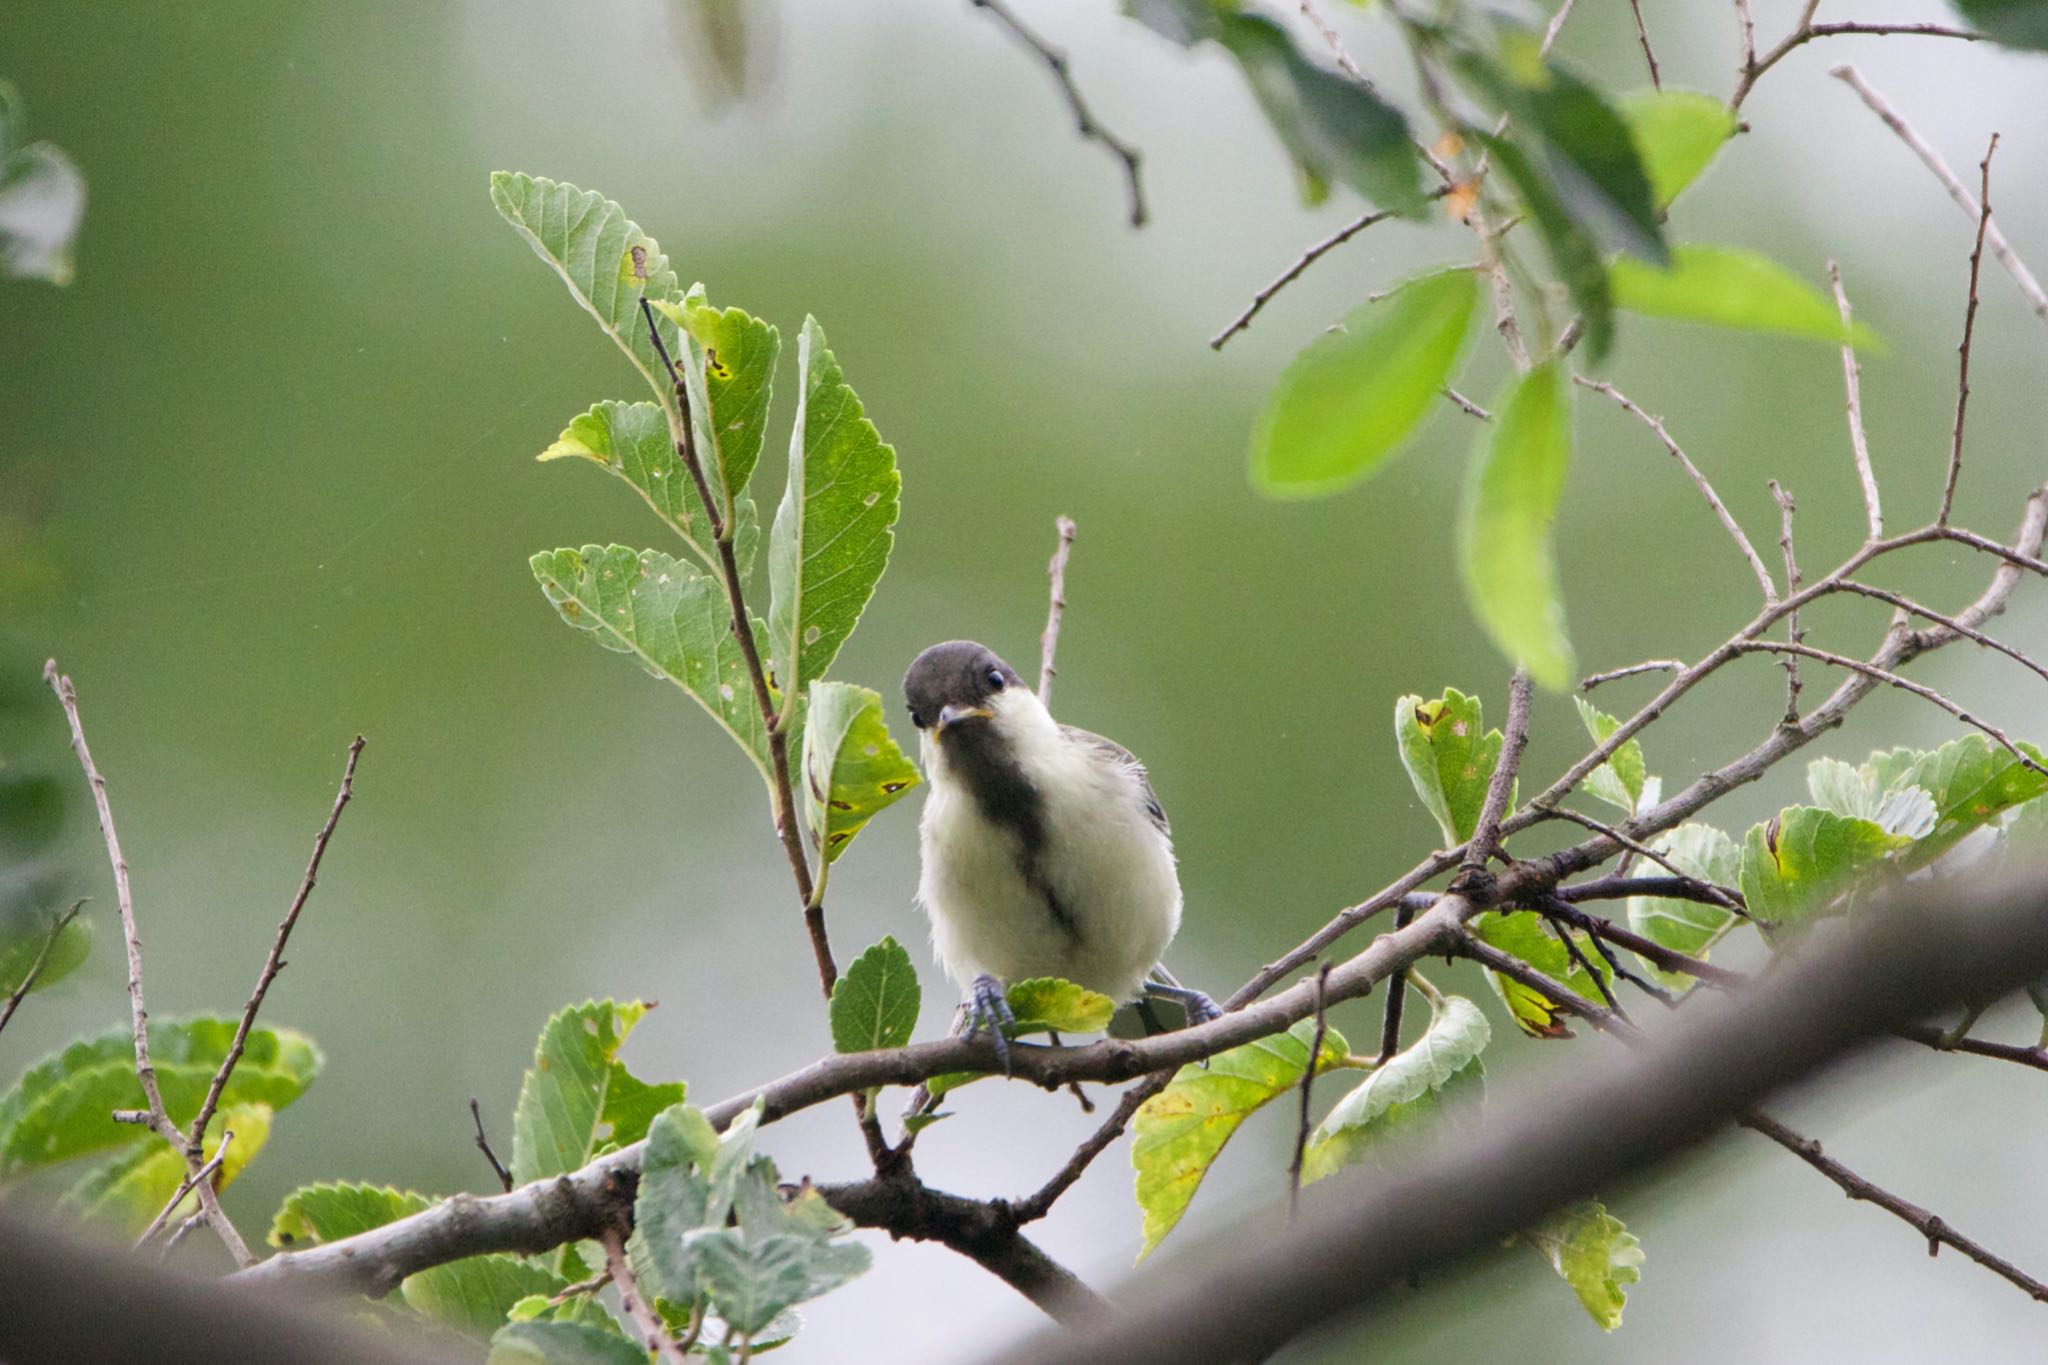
(1852, 385)
(1955, 452)
(28, 981)
(1056, 577)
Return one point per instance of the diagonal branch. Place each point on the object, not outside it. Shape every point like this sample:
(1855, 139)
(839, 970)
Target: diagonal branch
(1056, 576)
(1955, 452)
(1852, 385)
(28, 981)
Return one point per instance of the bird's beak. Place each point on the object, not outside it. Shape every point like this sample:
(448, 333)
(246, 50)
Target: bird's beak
(952, 714)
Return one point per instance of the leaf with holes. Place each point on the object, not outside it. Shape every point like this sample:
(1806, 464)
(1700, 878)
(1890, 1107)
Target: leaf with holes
(1596, 1255)
(1177, 1134)
(579, 1099)
(1972, 781)
(1677, 134)
(1450, 756)
(1687, 926)
(1512, 490)
(831, 537)
(1800, 865)
(876, 1000)
(1619, 781)
(1523, 934)
(670, 615)
(852, 769)
(127, 1192)
(1439, 1068)
(1728, 287)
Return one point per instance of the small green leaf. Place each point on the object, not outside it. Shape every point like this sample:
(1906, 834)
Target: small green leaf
(129, 1191)
(674, 1200)
(1972, 782)
(1689, 927)
(474, 1294)
(1523, 934)
(876, 1000)
(632, 441)
(729, 366)
(670, 615)
(1412, 1085)
(42, 201)
(1450, 756)
(1727, 287)
(1618, 781)
(1504, 531)
(561, 1343)
(1677, 133)
(751, 1281)
(579, 1098)
(852, 769)
(1573, 253)
(1177, 1134)
(1596, 1256)
(1348, 401)
(832, 536)
(1798, 866)
(19, 952)
(328, 1212)
(61, 1106)
(1046, 1002)
(2015, 23)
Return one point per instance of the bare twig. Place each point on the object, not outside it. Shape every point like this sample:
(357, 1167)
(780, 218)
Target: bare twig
(1466, 405)
(28, 981)
(1955, 450)
(1907, 604)
(1805, 31)
(1397, 994)
(1727, 518)
(1084, 121)
(1556, 24)
(1709, 892)
(1675, 887)
(1633, 670)
(1852, 385)
(1643, 36)
(1321, 23)
(2000, 248)
(205, 1172)
(1485, 842)
(483, 1144)
(1292, 272)
(1056, 576)
(1792, 631)
(1308, 1082)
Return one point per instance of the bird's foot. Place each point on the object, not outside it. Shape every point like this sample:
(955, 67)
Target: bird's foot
(1196, 1005)
(988, 1008)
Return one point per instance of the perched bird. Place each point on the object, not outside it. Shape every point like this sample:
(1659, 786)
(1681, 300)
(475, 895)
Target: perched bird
(1045, 852)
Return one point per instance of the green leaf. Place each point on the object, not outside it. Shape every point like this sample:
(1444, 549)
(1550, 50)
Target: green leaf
(42, 201)
(1504, 531)
(1450, 756)
(2015, 23)
(751, 1281)
(876, 1000)
(1573, 253)
(1177, 1134)
(1332, 126)
(1047, 1002)
(127, 1192)
(1797, 866)
(852, 769)
(1348, 401)
(474, 1294)
(669, 614)
(1677, 134)
(61, 1106)
(1727, 287)
(561, 1343)
(19, 952)
(1906, 809)
(1618, 781)
(831, 537)
(31, 815)
(632, 441)
(729, 366)
(1971, 780)
(1596, 1256)
(579, 1098)
(674, 1200)
(590, 243)
(1523, 934)
(1689, 927)
(330, 1211)
(1412, 1085)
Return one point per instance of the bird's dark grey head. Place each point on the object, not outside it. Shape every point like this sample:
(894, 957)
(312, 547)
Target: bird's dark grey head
(959, 674)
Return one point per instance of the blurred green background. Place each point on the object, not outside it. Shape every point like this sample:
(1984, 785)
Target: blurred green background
(268, 483)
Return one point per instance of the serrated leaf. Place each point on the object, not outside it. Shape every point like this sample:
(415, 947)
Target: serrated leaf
(632, 442)
(578, 1097)
(1177, 1134)
(1512, 490)
(1677, 134)
(752, 1281)
(590, 241)
(42, 201)
(852, 769)
(1573, 253)
(670, 615)
(1972, 782)
(1597, 1256)
(330, 1211)
(1439, 1067)
(876, 1000)
(2015, 23)
(729, 366)
(1796, 867)
(61, 1106)
(1346, 403)
(1729, 287)
(19, 952)
(474, 1294)
(127, 1192)
(1523, 934)
(1689, 927)
(561, 1343)
(1618, 781)
(831, 537)
(673, 1200)
(1845, 790)
(1450, 756)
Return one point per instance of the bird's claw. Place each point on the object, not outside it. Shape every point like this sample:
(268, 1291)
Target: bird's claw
(989, 1009)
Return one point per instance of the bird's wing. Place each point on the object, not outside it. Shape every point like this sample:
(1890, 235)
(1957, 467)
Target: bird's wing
(1118, 754)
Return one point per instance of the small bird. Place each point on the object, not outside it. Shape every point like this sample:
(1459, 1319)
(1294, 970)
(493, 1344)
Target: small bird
(1045, 851)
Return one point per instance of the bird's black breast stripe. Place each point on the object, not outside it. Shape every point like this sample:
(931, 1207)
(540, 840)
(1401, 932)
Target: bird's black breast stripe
(1008, 800)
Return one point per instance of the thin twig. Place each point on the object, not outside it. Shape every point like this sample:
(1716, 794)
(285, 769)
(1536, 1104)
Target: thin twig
(483, 1144)
(1907, 604)
(1720, 509)
(1292, 272)
(1955, 450)
(1643, 36)
(205, 1172)
(1466, 405)
(1308, 1081)
(1321, 23)
(1715, 895)
(28, 981)
(589, 1286)
(1056, 576)
(1852, 385)
(1485, 842)
(1673, 887)
(652, 1328)
(1084, 121)
(2000, 248)
(1550, 30)
(1632, 670)
(1792, 631)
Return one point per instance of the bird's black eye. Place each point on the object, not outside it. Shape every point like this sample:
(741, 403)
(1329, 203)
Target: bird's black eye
(996, 681)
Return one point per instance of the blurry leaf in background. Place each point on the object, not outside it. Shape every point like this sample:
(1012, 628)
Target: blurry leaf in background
(1688, 926)
(1677, 134)
(852, 769)
(1512, 490)
(1727, 287)
(42, 200)
(1620, 780)
(1450, 756)
(831, 538)
(1797, 864)
(1596, 1255)
(1573, 253)
(875, 1001)
(561, 1343)
(22, 945)
(1354, 394)
(1523, 934)
(1177, 1134)
(2016, 23)
(720, 44)
(1440, 1067)
(578, 1098)
(129, 1191)
(1905, 808)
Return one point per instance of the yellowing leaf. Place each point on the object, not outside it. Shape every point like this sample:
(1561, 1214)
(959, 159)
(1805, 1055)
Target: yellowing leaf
(1597, 1256)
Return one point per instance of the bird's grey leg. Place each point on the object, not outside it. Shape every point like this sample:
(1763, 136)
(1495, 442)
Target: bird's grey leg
(988, 1008)
(1197, 1005)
